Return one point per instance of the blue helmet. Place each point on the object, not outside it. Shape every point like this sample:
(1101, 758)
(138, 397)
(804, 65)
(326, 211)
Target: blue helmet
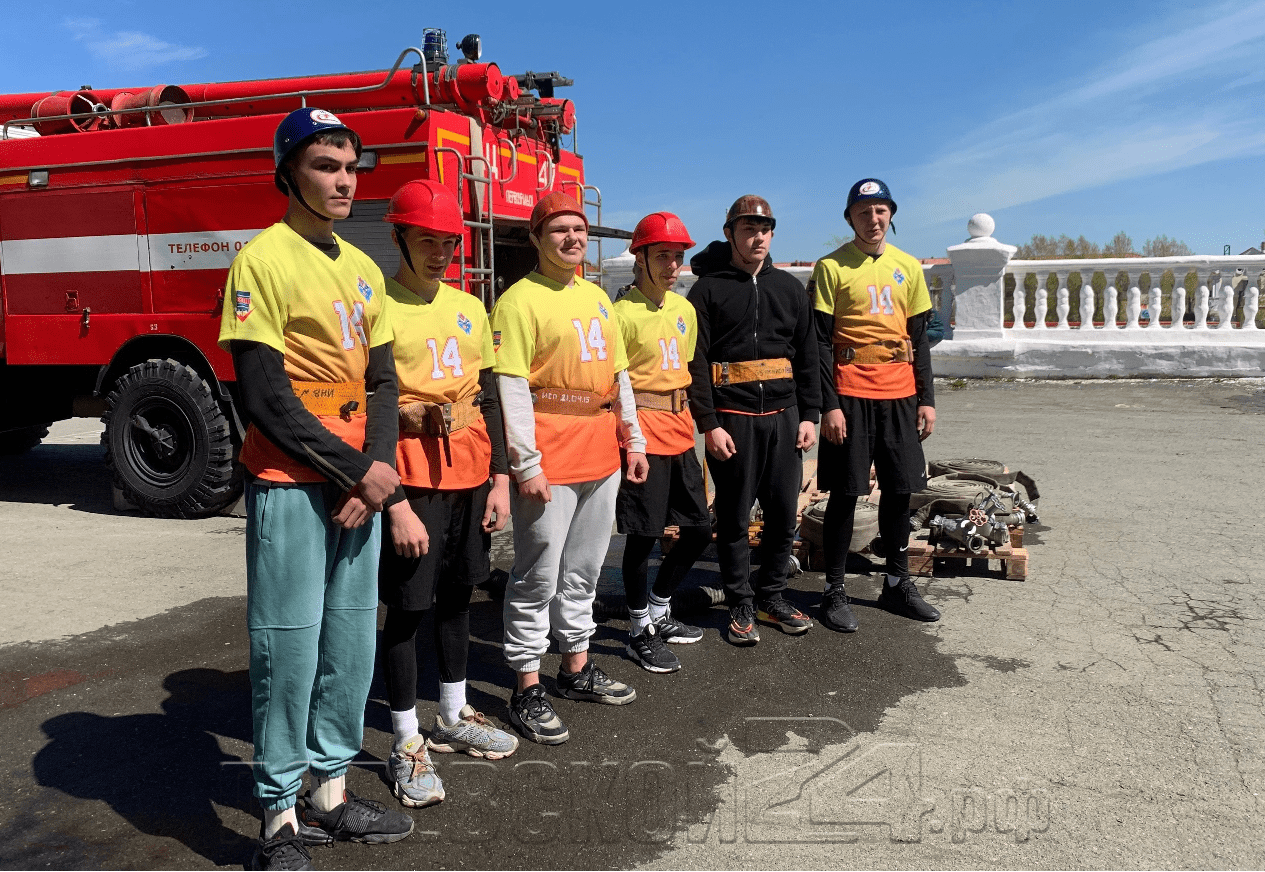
(296, 129)
(868, 189)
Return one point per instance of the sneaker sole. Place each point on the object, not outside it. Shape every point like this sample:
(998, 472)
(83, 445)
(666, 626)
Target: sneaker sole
(649, 667)
(472, 750)
(683, 640)
(369, 838)
(539, 738)
(743, 641)
(830, 625)
(406, 801)
(902, 612)
(785, 628)
(599, 698)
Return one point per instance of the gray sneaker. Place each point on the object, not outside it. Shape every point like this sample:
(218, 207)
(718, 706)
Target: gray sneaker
(474, 734)
(414, 780)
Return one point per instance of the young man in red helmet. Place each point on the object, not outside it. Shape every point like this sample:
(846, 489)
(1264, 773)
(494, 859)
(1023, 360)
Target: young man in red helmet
(878, 399)
(454, 493)
(660, 327)
(311, 347)
(754, 394)
(568, 405)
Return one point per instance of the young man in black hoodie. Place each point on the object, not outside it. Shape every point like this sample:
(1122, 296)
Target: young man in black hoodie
(754, 394)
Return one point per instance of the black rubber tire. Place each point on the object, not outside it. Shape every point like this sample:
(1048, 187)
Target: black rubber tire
(23, 439)
(168, 443)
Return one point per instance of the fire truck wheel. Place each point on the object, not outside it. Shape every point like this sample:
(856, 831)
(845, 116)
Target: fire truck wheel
(167, 441)
(22, 439)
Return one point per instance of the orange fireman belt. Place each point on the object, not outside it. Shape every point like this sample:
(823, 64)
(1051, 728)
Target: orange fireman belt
(888, 351)
(663, 401)
(562, 401)
(331, 398)
(751, 370)
(439, 419)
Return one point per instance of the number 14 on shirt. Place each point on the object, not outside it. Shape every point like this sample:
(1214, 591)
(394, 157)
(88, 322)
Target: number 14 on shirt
(594, 341)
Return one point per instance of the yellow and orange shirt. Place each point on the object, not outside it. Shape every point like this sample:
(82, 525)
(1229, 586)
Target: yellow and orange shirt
(563, 336)
(871, 299)
(323, 315)
(440, 347)
(660, 344)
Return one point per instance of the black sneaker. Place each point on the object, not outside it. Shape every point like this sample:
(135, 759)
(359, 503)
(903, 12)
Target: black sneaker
(591, 684)
(357, 820)
(742, 628)
(533, 716)
(285, 850)
(790, 619)
(675, 632)
(835, 612)
(649, 650)
(904, 599)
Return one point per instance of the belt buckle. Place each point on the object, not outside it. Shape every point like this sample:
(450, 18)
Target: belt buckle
(447, 413)
(849, 354)
(345, 410)
(724, 373)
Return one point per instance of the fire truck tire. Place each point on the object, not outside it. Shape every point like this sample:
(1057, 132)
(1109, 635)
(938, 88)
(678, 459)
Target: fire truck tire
(23, 439)
(167, 442)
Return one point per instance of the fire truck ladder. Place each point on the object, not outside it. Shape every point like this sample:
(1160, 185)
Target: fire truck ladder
(480, 274)
(595, 277)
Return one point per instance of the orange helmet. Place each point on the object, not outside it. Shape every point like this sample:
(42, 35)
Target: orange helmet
(660, 227)
(426, 204)
(556, 203)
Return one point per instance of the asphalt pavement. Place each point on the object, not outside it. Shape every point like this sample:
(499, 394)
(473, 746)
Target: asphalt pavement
(1105, 712)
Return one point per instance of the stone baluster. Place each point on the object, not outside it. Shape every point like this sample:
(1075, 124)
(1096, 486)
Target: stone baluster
(1134, 309)
(1251, 305)
(1019, 300)
(1040, 303)
(1154, 306)
(1062, 307)
(1225, 306)
(1177, 303)
(1201, 308)
(1087, 306)
(1110, 305)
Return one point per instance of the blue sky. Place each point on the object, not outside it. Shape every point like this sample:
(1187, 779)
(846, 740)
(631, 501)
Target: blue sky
(1068, 117)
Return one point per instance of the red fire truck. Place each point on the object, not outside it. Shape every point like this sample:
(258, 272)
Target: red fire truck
(121, 209)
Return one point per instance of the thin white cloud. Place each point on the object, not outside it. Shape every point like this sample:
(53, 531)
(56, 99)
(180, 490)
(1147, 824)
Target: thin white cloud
(1174, 102)
(128, 49)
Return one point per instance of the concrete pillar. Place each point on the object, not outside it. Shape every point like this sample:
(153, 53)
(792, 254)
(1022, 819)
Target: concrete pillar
(979, 266)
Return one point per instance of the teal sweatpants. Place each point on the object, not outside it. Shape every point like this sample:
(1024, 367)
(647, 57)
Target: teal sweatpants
(311, 609)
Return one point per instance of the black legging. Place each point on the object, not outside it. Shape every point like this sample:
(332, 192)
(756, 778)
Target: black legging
(676, 563)
(452, 643)
(893, 527)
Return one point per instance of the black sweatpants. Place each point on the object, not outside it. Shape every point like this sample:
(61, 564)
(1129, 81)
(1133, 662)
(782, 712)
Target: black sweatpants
(452, 643)
(769, 468)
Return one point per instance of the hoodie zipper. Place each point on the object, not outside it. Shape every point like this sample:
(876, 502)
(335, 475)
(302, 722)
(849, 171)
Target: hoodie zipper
(755, 336)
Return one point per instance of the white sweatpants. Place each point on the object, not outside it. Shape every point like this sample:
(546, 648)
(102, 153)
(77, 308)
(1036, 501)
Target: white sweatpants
(559, 547)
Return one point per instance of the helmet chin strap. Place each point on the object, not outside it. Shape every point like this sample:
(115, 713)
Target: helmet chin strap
(298, 194)
(733, 247)
(408, 258)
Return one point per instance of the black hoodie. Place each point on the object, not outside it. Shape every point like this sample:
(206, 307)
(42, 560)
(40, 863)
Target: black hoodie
(745, 317)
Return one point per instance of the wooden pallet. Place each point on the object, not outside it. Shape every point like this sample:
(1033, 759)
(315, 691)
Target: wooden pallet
(1013, 557)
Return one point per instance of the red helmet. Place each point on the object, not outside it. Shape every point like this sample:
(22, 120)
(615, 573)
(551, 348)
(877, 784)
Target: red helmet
(660, 227)
(426, 204)
(556, 203)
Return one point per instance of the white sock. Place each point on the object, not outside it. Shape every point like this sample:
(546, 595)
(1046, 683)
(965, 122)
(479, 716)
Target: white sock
(451, 698)
(275, 820)
(328, 792)
(404, 725)
(638, 620)
(893, 580)
(658, 607)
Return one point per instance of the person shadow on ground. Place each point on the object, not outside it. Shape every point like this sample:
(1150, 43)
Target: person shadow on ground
(161, 772)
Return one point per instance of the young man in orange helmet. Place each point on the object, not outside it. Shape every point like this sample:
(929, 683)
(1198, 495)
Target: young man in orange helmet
(754, 393)
(454, 493)
(878, 401)
(660, 327)
(311, 347)
(567, 405)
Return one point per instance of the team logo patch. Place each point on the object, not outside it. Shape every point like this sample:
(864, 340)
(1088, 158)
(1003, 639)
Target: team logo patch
(496, 340)
(464, 323)
(869, 188)
(241, 305)
(321, 116)
(602, 309)
(899, 276)
(680, 324)
(365, 290)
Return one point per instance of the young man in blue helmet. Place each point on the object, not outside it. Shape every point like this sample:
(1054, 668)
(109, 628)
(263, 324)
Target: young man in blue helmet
(754, 395)
(878, 401)
(311, 346)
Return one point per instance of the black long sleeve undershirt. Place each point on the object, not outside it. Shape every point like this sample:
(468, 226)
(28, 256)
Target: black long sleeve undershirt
(270, 404)
(924, 382)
